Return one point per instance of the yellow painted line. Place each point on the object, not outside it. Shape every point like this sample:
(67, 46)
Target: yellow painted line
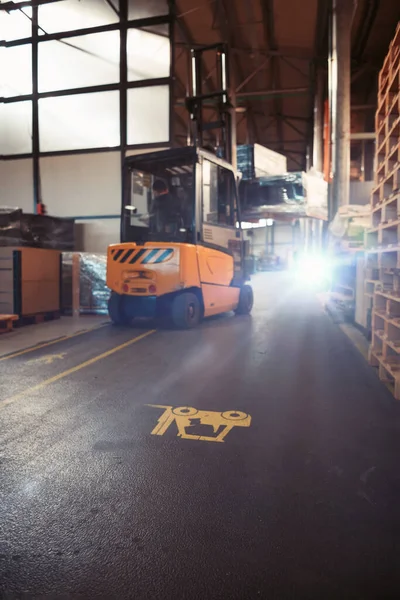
(352, 335)
(56, 341)
(47, 359)
(83, 365)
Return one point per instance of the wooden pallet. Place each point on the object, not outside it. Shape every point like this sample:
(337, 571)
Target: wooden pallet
(373, 285)
(388, 370)
(34, 319)
(385, 344)
(386, 211)
(6, 323)
(382, 240)
(389, 71)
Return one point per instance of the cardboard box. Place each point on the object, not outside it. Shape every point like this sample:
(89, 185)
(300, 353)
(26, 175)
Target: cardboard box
(30, 280)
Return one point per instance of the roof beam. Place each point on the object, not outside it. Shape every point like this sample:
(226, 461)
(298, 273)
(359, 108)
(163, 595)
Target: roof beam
(268, 125)
(290, 52)
(287, 142)
(271, 45)
(252, 75)
(288, 61)
(299, 119)
(263, 94)
(297, 162)
(286, 51)
(303, 134)
(272, 93)
(189, 42)
(7, 6)
(227, 16)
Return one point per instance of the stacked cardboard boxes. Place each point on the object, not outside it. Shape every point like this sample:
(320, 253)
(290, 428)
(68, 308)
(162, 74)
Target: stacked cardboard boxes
(30, 281)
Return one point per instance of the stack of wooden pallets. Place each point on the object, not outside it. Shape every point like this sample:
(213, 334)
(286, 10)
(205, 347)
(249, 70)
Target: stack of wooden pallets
(6, 322)
(382, 241)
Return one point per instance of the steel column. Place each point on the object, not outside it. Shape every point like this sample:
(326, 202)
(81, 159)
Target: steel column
(123, 103)
(339, 93)
(35, 109)
(317, 159)
(172, 79)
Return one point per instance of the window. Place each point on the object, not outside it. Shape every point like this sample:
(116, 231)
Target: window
(79, 61)
(82, 184)
(79, 121)
(16, 24)
(16, 128)
(141, 9)
(148, 53)
(219, 195)
(79, 85)
(166, 217)
(148, 115)
(15, 71)
(75, 14)
(16, 189)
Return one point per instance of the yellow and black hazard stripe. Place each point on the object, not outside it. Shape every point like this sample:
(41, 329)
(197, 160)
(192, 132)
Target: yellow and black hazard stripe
(144, 256)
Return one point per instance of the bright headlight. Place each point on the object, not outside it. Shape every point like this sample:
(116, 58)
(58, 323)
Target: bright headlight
(313, 269)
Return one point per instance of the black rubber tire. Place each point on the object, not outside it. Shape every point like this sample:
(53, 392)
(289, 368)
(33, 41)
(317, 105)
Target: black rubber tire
(116, 311)
(246, 300)
(186, 311)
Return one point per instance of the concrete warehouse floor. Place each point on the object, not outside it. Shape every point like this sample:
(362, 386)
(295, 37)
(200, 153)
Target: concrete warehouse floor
(49, 333)
(300, 502)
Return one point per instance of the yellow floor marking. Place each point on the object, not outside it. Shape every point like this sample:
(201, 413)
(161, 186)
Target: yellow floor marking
(186, 417)
(56, 341)
(356, 338)
(87, 363)
(48, 359)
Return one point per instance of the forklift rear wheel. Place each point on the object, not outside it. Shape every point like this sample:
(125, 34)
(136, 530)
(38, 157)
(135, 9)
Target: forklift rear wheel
(116, 311)
(186, 311)
(246, 300)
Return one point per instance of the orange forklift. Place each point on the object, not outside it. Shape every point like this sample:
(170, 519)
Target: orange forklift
(182, 253)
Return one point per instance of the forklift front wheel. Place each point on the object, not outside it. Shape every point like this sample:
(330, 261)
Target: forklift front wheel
(186, 311)
(246, 300)
(115, 310)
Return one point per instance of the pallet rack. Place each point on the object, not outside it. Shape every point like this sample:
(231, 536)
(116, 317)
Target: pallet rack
(382, 241)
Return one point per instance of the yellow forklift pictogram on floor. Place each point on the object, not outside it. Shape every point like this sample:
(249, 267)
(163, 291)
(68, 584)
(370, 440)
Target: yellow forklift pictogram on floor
(188, 418)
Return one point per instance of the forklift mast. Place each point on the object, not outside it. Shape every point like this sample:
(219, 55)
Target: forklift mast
(220, 101)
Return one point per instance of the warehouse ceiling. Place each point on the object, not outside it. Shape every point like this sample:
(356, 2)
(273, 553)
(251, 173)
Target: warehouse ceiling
(276, 47)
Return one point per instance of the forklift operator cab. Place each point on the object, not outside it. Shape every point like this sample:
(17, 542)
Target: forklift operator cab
(165, 214)
(181, 253)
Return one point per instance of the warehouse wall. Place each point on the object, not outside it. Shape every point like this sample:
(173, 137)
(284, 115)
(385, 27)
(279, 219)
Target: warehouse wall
(82, 184)
(282, 240)
(85, 185)
(77, 109)
(96, 235)
(16, 184)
